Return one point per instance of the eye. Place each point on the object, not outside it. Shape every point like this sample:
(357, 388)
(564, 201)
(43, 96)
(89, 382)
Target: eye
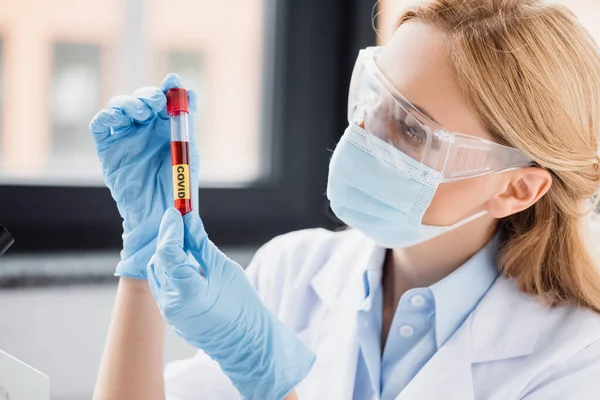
(410, 132)
(414, 134)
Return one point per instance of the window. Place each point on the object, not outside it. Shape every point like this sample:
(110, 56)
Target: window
(228, 119)
(218, 49)
(272, 78)
(75, 86)
(87, 52)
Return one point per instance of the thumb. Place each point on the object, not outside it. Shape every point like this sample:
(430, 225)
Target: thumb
(199, 245)
(169, 249)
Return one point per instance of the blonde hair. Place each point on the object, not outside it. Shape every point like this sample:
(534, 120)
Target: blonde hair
(532, 73)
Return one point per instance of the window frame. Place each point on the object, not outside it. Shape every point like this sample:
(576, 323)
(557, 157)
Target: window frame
(315, 44)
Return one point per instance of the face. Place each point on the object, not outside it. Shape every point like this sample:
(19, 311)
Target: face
(417, 63)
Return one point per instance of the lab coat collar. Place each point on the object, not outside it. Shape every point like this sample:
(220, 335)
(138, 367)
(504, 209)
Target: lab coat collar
(333, 336)
(505, 324)
(335, 284)
(339, 285)
(472, 280)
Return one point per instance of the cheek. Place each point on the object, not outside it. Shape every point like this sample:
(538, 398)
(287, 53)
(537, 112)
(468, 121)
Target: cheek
(457, 200)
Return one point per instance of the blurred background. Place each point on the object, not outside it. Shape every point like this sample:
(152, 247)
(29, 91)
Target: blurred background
(272, 77)
(61, 64)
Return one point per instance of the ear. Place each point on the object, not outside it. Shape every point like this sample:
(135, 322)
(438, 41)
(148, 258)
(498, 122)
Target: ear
(524, 188)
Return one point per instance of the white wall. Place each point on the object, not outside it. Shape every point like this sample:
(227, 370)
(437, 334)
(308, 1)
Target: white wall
(60, 331)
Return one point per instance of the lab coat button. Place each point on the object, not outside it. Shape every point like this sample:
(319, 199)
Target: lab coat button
(418, 301)
(406, 331)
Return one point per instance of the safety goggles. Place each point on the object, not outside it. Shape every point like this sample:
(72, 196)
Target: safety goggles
(382, 111)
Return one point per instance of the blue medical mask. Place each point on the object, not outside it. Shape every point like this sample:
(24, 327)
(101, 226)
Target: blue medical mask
(380, 191)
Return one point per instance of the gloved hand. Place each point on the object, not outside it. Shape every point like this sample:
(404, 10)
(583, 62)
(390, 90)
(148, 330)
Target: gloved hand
(221, 312)
(133, 143)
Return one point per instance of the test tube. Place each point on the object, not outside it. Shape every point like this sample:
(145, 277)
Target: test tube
(177, 108)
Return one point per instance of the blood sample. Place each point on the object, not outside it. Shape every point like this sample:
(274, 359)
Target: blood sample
(177, 108)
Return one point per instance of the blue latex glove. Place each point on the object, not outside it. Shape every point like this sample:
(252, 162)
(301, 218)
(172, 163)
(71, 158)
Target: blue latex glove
(221, 312)
(133, 143)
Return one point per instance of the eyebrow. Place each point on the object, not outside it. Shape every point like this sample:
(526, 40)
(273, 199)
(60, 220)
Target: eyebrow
(424, 112)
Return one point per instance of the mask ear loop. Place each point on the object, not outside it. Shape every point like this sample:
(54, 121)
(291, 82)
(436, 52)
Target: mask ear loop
(468, 219)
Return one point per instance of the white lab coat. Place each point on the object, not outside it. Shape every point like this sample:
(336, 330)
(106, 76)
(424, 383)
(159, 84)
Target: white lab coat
(510, 347)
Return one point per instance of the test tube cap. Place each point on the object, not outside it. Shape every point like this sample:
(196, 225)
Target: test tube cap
(177, 101)
(6, 240)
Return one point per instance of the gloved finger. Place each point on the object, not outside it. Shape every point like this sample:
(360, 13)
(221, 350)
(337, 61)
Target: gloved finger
(201, 247)
(171, 81)
(153, 280)
(153, 97)
(164, 286)
(170, 255)
(180, 299)
(132, 106)
(172, 293)
(193, 107)
(193, 101)
(100, 126)
(157, 270)
(169, 248)
(156, 288)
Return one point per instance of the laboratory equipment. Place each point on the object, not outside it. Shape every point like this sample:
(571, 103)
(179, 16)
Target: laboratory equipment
(177, 108)
(20, 381)
(6, 240)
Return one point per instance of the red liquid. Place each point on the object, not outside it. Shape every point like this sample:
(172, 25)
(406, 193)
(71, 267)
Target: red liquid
(180, 154)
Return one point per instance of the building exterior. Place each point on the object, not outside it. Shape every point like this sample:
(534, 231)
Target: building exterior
(62, 60)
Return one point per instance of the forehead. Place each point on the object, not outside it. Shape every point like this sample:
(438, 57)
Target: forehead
(417, 62)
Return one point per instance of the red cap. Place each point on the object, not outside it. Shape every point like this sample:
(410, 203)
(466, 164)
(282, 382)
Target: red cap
(177, 101)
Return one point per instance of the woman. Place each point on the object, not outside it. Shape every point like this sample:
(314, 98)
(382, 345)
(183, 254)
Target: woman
(467, 274)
